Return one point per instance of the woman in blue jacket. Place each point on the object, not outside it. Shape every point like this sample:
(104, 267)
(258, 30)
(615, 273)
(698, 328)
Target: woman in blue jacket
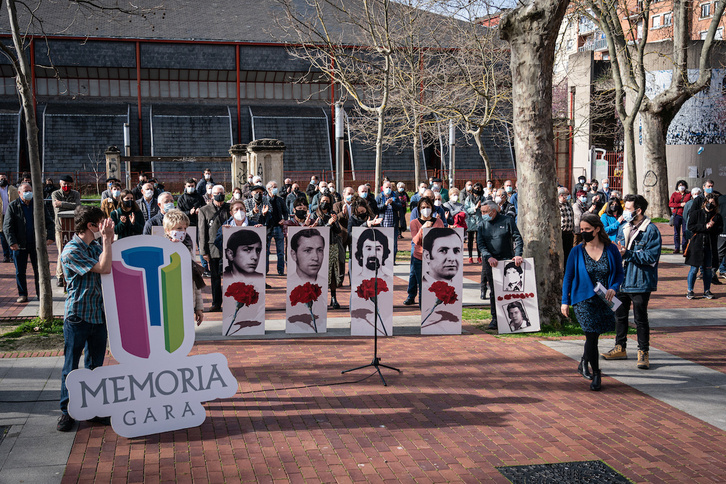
(612, 219)
(595, 260)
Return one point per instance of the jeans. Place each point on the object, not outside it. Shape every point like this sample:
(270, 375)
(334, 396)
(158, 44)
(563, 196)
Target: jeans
(486, 277)
(81, 336)
(215, 267)
(677, 227)
(6, 248)
(640, 316)
(412, 284)
(276, 232)
(20, 258)
(705, 269)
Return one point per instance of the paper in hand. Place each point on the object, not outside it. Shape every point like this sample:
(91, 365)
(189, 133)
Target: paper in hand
(601, 290)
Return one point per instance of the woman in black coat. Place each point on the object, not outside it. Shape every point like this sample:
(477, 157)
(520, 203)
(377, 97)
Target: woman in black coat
(705, 224)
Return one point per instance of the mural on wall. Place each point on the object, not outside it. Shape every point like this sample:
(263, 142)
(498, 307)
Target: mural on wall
(702, 119)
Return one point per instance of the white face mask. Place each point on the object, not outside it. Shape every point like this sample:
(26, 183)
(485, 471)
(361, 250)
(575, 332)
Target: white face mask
(454, 198)
(437, 203)
(178, 235)
(421, 191)
(190, 190)
(239, 215)
(209, 190)
(497, 200)
(681, 188)
(468, 188)
(148, 193)
(97, 235)
(426, 212)
(115, 193)
(207, 176)
(168, 206)
(401, 189)
(237, 195)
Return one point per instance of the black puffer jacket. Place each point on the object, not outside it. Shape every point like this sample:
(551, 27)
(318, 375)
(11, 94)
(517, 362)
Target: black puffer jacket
(14, 225)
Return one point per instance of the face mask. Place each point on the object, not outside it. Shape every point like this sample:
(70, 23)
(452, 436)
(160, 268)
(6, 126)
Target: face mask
(421, 191)
(436, 188)
(209, 191)
(477, 192)
(128, 203)
(498, 200)
(178, 234)
(239, 215)
(274, 191)
(362, 194)
(3, 183)
(437, 203)
(249, 180)
(583, 199)
(681, 188)
(508, 189)
(207, 176)
(401, 189)
(709, 206)
(115, 193)
(628, 216)
(468, 188)
(148, 193)
(486, 217)
(348, 198)
(387, 191)
(258, 197)
(454, 198)
(489, 185)
(605, 186)
(27, 195)
(189, 190)
(237, 195)
(65, 188)
(97, 235)
(581, 180)
(301, 214)
(708, 190)
(426, 212)
(219, 197)
(324, 206)
(168, 206)
(288, 185)
(588, 236)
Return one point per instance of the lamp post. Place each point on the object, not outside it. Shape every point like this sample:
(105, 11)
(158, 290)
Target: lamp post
(339, 146)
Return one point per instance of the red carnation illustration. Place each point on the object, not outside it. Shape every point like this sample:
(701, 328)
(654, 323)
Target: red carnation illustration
(245, 295)
(445, 294)
(306, 294)
(369, 290)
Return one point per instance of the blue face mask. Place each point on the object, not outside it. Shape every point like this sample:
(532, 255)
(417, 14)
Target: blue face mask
(628, 216)
(274, 191)
(168, 206)
(569, 197)
(348, 198)
(486, 217)
(708, 190)
(27, 195)
(387, 191)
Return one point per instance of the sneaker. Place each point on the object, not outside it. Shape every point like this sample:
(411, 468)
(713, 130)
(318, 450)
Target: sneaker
(22, 299)
(643, 361)
(617, 353)
(65, 423)
(478, 260)
(690, 295)
(471, 261)
(708, 295)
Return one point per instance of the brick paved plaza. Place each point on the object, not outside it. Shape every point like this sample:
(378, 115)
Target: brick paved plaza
(463, 406)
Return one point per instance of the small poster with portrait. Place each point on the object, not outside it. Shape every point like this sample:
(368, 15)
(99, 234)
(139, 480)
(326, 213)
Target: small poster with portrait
(515, 291)
(442, 280)
(192, 231)
(243, 273)
(372, 252)
(306, 306)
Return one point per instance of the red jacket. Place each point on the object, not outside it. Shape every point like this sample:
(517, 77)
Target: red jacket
(675, 202)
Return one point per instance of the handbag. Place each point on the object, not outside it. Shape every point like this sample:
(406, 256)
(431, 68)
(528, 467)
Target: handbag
(670, 222)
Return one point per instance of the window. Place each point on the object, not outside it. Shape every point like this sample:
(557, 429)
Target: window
(719, 34)
(705, 10)
(667, 19)
(656, 22)
(703, 34)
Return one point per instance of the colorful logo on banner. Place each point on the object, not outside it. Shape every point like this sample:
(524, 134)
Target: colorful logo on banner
(156, 386)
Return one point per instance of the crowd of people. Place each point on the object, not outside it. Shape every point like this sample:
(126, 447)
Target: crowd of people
(611, 247)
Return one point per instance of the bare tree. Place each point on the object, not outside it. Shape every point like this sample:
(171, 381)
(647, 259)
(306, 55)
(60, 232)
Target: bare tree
(351, 43)
(531, 30)
(33, 26)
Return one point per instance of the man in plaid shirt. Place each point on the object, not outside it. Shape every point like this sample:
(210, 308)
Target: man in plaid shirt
(567, 220)
(84, 260)
(389, 208)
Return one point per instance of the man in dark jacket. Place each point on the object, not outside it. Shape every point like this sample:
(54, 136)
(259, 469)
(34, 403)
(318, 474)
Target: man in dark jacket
(19, 229)
(138, 190)
(639, 242)
(202, 185)
(190, 202)
(499, 239)
(211, 217)
(148, 202)
(277, 214)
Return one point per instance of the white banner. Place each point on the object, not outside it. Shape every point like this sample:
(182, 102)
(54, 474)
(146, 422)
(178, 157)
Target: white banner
(515, 289)
(442, 280)
(307, 279)
(372, 248)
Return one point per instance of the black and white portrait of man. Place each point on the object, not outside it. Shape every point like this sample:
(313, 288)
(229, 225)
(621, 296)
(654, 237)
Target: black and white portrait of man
(372, 251)
(442, 253)
(517, 316)
(307, 254)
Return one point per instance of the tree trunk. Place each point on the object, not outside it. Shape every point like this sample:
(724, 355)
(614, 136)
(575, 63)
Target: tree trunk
(531, 31)
(379, 152)
(482, 152)
(31, 126)
(655, 128)
(630, 177)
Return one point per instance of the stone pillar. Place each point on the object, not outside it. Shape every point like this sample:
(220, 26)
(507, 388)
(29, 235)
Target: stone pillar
(113, 162)
(264, 158)
(239, 165)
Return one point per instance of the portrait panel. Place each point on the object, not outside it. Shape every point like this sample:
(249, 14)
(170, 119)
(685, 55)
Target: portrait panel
(442, 280)
(308, 252)
(243, 272)
(515, 291)
(372, 253)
